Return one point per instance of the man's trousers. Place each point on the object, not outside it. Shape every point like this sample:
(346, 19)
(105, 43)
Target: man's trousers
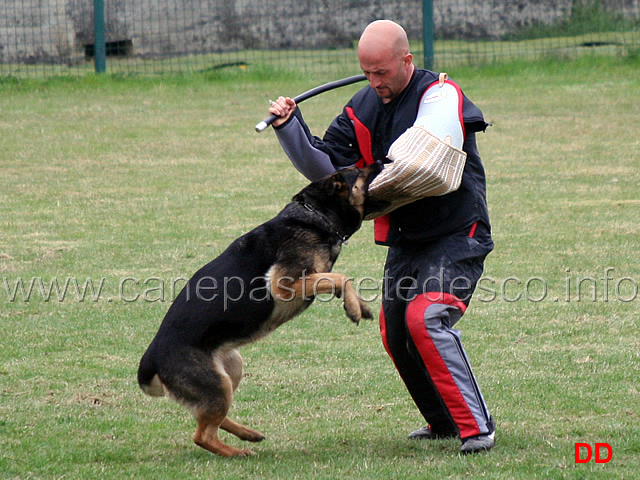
(427, 290)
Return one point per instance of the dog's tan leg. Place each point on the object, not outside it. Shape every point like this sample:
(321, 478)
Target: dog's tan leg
(231, 362)
(243, 433)
(333, 283)
(214, 416)
(206, 436)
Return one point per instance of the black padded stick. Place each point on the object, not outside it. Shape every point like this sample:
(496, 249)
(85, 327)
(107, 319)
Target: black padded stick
(312, 93)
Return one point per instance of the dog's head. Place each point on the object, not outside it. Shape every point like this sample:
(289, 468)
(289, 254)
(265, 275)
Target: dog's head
(354, 182)
(343, 196)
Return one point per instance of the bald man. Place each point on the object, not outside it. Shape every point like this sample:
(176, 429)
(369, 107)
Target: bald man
(437, 245)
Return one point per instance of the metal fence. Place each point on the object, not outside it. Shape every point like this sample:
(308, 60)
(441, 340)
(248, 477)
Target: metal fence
(61, 37)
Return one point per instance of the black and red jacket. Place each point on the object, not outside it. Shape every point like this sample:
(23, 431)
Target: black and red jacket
(364, 132)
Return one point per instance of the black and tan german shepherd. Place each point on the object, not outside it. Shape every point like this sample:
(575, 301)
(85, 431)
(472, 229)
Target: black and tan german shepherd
(262, 280)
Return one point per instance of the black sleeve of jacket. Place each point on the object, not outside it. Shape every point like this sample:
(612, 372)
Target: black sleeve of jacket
(473, 117)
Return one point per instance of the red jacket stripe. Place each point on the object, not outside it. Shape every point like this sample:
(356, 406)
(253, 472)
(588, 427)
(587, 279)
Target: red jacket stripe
(472, 232)
(364, 138)
(382, 225)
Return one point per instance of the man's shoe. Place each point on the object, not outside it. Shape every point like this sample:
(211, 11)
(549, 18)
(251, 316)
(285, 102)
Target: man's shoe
(425, 433)
(479, 443)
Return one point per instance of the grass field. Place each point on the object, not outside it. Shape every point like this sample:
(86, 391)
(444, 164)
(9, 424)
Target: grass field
(129, 185)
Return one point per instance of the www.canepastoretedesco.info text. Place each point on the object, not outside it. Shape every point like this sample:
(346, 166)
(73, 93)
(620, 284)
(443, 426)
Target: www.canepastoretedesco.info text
(603, 287)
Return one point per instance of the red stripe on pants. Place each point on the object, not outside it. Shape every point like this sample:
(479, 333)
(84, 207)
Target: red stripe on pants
(383, 333)
(436, 367)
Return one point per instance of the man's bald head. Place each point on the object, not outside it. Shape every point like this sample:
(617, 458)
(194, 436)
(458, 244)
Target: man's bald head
(383, 51)
(383, 37)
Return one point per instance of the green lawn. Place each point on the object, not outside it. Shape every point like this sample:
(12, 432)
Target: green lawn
(133, 184)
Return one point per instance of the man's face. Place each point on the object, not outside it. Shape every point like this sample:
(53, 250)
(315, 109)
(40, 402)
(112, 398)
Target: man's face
(387, 76)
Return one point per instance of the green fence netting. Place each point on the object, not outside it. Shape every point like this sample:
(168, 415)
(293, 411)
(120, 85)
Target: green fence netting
(58, 37)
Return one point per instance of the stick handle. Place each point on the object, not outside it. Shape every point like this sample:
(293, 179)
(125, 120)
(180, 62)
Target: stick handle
(262, 126)
(312, 93)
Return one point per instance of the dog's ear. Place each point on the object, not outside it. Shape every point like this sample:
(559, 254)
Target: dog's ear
(373, 170)
(334, 184)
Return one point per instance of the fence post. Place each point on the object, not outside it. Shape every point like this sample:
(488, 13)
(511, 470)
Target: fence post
(427, 33)
(99, 50)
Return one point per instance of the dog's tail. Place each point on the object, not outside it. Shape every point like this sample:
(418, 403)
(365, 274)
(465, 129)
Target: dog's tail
(148, 378)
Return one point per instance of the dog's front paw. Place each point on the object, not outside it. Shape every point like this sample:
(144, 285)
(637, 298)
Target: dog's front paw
(354, 314)
(357, 310)
(366, 311)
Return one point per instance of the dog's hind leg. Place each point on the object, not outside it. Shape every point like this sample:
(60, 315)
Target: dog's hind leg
(211, 416)
(232, 362)
(206, 436)
(244, 433)
(232, 365)
(201, 383)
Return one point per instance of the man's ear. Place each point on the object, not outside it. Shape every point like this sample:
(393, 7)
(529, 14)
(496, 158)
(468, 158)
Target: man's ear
(408, 59)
